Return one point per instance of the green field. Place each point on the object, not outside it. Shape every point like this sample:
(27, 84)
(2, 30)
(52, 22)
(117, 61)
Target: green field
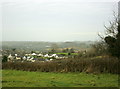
(13, 78)
(67, 53)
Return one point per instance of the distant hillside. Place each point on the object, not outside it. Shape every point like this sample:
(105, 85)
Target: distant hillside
(42, 46)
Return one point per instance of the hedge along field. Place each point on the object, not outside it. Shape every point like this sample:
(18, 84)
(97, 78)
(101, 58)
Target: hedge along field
(94, 65)
(16, 78)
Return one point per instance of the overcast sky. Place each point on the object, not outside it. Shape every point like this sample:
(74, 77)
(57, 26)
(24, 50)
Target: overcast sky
(55, 20)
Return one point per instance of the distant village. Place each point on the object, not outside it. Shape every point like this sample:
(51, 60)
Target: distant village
(33, 57)
(14, 55)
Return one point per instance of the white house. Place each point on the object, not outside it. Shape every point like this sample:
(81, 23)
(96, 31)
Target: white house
(16, 55)
(24, 58)
(34, 54)
(10, 57)
(18, 58)
(40, 55)
(46, 55)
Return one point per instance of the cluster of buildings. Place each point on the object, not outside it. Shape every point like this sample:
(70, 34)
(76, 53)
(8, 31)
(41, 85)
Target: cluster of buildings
(33, 57)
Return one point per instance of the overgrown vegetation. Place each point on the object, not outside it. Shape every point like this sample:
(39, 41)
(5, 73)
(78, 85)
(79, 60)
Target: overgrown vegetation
(96, 65)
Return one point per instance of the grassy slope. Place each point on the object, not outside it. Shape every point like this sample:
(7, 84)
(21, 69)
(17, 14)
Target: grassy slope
(13, 78)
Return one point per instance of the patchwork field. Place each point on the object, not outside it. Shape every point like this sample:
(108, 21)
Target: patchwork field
(14, 78)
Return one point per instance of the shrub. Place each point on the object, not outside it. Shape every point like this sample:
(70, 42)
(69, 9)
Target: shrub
(4, 58)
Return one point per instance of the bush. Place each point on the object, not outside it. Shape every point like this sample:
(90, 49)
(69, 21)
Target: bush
(4, 58)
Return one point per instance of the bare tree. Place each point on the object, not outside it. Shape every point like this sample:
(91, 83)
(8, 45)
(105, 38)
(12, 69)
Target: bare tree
(112, 37)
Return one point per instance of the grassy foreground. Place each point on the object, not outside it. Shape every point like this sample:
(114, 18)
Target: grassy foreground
(14, 78)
